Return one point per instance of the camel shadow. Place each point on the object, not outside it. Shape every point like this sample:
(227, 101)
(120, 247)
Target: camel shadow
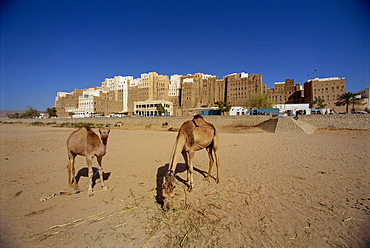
(161, 172)
(84, 172)
(203, 173)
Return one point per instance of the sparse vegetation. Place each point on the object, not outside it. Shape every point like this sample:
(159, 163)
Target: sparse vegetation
(259, 100)
(37, 123)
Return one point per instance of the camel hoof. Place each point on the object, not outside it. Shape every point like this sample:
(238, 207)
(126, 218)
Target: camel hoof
(206, 179)
(105, 187)
(90, 193)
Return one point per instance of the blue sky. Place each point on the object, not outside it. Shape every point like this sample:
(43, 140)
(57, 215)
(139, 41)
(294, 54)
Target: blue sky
(50, 45)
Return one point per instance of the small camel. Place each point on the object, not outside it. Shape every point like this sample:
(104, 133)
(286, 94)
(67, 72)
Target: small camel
(85, 142)
(194, 135)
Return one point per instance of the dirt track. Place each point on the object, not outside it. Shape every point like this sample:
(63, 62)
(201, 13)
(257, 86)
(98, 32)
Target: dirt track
(276, 190)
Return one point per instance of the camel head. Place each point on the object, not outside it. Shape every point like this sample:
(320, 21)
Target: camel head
(168, 187)
(104, 133)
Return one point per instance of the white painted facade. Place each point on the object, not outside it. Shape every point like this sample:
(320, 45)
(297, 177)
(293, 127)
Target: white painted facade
(86, 103)
(149, 108)
(175, 85)
(290, 109)
(239, 111)
(60, 95)
(242, 74)
(122, 84)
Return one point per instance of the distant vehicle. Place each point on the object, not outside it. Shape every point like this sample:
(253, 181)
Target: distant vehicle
(116, 115)
(360, 112)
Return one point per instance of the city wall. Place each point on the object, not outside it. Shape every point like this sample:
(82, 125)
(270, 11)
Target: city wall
(350, 121)
(174, 121)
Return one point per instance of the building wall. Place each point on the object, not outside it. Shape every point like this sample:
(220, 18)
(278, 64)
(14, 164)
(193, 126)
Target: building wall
(149, 108)
(239, 86)
(364, 94)
(286, 93)
(326, 88)
(197, 91)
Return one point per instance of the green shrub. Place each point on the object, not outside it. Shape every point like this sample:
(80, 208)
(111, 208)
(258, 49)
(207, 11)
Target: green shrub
(37, 123)
(99, 125)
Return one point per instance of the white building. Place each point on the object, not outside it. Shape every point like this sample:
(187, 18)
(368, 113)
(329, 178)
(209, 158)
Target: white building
(119, 85)
(290, 109)
(239, 111)
(86, 103)
(149, 108)
(175, 85)
(123, 83)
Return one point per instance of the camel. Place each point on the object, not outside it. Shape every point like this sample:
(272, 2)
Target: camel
(85, 142)
(194, 135)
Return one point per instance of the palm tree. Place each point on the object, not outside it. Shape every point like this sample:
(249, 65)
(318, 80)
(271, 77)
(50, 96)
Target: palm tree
(319, 103)
(160, 109)
(223, 106)
(346, 99)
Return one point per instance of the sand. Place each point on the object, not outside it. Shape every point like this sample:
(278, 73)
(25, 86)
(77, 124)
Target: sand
(275, 190)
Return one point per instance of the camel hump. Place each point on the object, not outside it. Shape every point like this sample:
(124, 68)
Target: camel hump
(87, 127)
(198, 120)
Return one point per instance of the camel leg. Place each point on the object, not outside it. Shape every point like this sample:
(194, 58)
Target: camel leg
(185, 155)
(190, 170)
(101, 172)
(89, 165)
(71, 171)
(215, 150)
(211, 161)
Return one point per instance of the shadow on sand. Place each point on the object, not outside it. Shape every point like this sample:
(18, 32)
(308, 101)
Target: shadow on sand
(181, 167)
(84, 172)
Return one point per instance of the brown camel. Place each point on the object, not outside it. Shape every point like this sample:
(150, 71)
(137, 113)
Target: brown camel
(85, 142)
(194, 135)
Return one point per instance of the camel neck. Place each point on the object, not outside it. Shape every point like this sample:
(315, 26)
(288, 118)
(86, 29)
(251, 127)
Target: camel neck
(104, 141)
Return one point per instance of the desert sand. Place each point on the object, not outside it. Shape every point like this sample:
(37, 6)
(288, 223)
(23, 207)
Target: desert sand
(275, 190)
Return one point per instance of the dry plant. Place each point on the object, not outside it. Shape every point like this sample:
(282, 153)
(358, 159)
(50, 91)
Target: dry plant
(192, 222)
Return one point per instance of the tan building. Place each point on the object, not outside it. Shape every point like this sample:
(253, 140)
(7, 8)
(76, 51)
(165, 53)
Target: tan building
(239, 86)
(364, 95)
(212, 91)
(326, 88)
(286, 93)
(190, 93)
(66, 103)
(117, 89)
(149, 87)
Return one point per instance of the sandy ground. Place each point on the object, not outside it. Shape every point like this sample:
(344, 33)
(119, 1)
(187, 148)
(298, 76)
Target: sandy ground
(276, 190)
